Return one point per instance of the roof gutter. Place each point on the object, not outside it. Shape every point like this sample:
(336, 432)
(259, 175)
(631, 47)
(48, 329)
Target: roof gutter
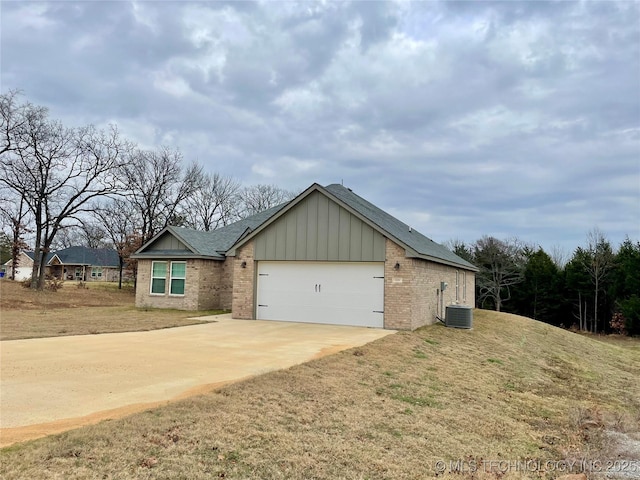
(415, 254)
(151, 256)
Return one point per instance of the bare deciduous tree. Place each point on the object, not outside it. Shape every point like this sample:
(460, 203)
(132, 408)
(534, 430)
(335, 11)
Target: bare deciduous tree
(560, 256)
(56, 170)
(213, 204)
(15, 213)
(118, 219)
(261, 197)
(158, 187)
(86, 233)
(501, 265)
(598, 261)
(13, 120)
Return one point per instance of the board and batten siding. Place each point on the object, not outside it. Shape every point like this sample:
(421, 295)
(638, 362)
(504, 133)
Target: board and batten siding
(167, 242)
(318, 229)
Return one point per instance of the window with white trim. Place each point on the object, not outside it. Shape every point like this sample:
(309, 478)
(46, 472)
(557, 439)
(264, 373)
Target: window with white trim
(158, 277)
(96, 272)
(78, 272)
(178, 278)
(464, 286)
(457, 285)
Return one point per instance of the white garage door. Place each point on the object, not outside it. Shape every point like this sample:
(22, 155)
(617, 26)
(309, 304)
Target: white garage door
(345, 293)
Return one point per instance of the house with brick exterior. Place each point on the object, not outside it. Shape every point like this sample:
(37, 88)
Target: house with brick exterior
(71, 263)
(327, 256)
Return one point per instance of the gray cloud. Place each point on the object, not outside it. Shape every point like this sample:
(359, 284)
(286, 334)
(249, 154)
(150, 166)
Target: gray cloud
(462, 118)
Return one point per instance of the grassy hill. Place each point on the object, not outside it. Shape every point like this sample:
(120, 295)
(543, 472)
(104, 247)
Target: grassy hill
(410, 405)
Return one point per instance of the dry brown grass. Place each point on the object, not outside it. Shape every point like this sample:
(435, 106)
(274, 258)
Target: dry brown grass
(509, 389)
(98, 308)
(13, 296)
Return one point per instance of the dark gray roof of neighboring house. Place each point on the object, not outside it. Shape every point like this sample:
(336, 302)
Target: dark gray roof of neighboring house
(213, 244)
(47, 257)
(99, 257)
(395, 228)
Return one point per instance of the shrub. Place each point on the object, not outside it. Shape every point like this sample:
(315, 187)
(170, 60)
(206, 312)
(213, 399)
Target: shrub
(618, 323)
(54, 284)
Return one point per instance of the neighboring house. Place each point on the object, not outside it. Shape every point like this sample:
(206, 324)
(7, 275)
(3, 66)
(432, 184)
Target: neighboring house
(73, 263)
(327, 256)
(23, 271)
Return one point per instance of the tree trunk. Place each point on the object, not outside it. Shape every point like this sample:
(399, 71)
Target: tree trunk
(580, 327)
(35, 271)
(595, 308)
(120, 267)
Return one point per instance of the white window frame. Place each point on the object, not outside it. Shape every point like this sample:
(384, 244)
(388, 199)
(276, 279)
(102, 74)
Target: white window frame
(464, 286)
(151, 292)
(457, 285)
(172, 278)
(96, 272)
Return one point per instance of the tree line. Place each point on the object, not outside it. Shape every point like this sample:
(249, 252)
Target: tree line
(596, 289)
(63, 186)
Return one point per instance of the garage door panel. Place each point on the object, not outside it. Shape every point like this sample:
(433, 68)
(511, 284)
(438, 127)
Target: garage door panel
(347, 293)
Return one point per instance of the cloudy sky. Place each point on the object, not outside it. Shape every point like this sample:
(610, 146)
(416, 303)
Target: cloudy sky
(460, 118)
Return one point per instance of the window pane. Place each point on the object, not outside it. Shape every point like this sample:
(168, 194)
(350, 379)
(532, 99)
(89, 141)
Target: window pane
(159, 269)
(157, 285)
(178, 269)
(177, 286)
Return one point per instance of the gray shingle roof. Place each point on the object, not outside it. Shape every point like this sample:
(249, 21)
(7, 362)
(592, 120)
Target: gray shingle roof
(47, 257)
(395, 228)
(100, 257)
(103, 257)
(215, 243)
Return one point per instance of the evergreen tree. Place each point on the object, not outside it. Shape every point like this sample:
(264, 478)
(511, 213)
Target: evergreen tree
(625, 285)
(579, 291)
(539, 296)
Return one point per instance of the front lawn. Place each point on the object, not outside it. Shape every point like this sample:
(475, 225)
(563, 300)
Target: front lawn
(408, 406)
(98, 308)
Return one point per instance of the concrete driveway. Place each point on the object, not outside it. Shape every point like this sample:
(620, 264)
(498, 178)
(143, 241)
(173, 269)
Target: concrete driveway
(50, 385)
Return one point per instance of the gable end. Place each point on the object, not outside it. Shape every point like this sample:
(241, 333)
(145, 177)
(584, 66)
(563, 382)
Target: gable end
(317, 228)
(165, 242)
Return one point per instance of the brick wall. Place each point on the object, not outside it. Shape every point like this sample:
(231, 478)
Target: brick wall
(411, 293)
(203, 286)
(398, 292)
(226, 283)
(243, 282)
(214, 284)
